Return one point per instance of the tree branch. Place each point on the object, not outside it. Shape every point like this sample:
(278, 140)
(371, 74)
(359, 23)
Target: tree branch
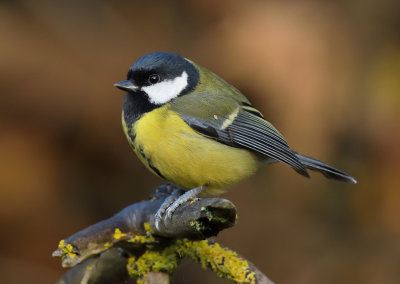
(128, 246)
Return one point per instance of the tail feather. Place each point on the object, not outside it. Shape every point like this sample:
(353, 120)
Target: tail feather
(326, 170)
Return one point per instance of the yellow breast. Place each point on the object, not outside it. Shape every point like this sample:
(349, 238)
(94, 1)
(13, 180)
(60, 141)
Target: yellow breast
(173, 150)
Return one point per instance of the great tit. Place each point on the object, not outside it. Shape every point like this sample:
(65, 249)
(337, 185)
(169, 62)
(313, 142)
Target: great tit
(193, 129)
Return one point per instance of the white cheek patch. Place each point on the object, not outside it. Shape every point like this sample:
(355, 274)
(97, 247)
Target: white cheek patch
(164, 91)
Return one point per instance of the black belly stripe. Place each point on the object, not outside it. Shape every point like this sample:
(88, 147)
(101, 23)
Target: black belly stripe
(142, 153)
(129, 130)
(132, 136)
(157, 171)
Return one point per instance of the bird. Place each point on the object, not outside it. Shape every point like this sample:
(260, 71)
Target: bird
(193, 129)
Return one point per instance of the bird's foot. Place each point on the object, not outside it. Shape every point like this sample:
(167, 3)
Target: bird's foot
(172, 202)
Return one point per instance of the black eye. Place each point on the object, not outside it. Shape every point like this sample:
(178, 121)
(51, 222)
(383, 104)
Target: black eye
(154, 79)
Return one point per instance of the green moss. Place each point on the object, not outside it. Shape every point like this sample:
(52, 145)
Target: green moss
(211, 216)
(203, 224)
(147, 239)
(140, 239)
(164, 261)
(148, 229)
(226, 263)
(198, 226)
(118, 234)
(67, 249)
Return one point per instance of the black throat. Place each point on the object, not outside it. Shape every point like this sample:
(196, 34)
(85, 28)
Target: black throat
(135, 105)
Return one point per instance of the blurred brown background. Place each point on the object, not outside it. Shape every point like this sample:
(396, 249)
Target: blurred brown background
(326, 74)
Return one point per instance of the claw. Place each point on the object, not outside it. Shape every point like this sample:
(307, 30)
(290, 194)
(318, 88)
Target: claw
(171, 203)
(160, 215)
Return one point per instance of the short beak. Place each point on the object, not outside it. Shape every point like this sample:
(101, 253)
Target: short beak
(126, 86)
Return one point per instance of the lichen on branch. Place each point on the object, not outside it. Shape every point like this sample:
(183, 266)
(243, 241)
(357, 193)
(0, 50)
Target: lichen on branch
(129, 246)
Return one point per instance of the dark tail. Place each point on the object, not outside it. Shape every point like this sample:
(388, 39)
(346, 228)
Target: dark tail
(326, 170)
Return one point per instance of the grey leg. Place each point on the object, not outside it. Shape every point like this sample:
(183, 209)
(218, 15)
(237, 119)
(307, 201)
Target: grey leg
(167, 209)
(183, 199)
(164, 206)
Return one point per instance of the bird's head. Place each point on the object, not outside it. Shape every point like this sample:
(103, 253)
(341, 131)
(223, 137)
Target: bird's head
(161, 77)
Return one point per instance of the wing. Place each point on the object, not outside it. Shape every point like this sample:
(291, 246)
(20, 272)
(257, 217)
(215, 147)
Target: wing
(244, 127)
